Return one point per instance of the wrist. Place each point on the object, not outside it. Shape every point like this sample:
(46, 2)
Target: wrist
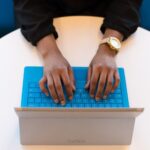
(105, 49)
(47, 46)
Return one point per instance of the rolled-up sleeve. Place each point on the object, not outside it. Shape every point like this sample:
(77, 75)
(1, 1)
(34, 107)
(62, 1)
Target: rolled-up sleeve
(35, 19)
(123, 16)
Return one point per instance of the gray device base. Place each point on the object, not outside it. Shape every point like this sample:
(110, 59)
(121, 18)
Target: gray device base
(76, 128)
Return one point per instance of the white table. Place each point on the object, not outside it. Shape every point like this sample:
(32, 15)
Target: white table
(78, 41)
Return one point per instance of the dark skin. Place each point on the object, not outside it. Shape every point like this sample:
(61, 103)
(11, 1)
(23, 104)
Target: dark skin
(57, 71)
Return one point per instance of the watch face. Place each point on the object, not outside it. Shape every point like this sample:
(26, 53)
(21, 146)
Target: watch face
(115, 43)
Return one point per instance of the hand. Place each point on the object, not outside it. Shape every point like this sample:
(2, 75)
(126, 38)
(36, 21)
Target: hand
(103, 76)
(57, 71)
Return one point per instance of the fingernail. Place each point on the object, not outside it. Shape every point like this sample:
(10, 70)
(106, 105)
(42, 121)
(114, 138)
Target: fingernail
(74, 87)
(46, 94)
(70, 97)
(92, 95)
(86, 86)
(56, 101)
(104, 97)
(63, 103)
(97, 98)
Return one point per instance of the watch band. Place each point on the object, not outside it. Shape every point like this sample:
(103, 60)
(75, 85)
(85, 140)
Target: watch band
(103, 41)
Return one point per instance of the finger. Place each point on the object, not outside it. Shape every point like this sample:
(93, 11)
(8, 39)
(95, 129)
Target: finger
(71, 76)
(51, 88)
(58, 88)
(67, 83)
(101, 84)
(116, 80)
(88, 78)
(109, 83)
(42, 85)
(94, 80)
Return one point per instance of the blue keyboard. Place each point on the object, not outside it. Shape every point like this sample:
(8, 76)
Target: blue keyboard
(32, 96)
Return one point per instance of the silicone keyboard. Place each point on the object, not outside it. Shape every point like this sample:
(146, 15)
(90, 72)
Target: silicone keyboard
(32, 96)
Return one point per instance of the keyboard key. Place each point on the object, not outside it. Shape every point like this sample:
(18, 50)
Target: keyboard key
(32, 105)
(117, 96)
(101, 105)
(68, 105)
(37, 95)
(30, 89)
(42, 105)
(119, 100)
(77, 96)
(38, 100)
(53, 105)
(77, 100)
(81, 105)
(93, 105)
(31, 100)
(119, 105)
(110, 96)
(74, 105)
(104, 101)
(84, 96)
(45, 100)
(112, 100)
(34, 90)
(84, 100)
(88, 105)
(117, 91)
(107, 105)
(43, 95)
(114, 105)
(32, 84)
(31, 95)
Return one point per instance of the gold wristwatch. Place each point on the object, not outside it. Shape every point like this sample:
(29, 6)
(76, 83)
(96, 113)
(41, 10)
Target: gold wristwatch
(113, 43)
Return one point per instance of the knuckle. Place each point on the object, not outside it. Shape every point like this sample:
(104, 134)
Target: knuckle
(92, 91)
(58, 87)
(62, 68)
(97, 66)
(67, 84)
(58, 69)
(61, 97)
(50, 86)
(109, 83)
(93, 82)
(106, 92)
(47, 72)
(102, 83)
(98, 92)
(112, 68)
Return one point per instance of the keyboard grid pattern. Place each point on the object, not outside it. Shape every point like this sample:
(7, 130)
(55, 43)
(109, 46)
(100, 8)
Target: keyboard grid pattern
(81, 98)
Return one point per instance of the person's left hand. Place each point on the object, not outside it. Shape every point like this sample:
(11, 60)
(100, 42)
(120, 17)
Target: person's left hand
(103, 76)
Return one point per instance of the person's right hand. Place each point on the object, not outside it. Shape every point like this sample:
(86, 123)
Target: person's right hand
(57, 71)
